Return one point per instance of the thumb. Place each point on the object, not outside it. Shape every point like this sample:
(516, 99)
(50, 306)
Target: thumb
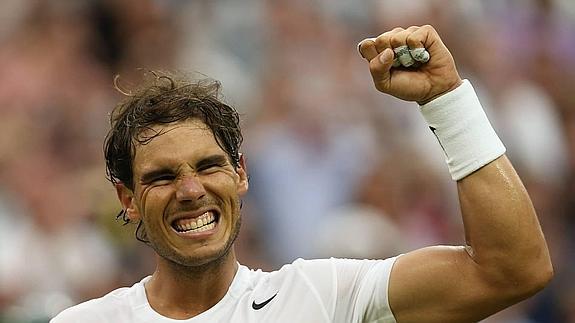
(380, 67)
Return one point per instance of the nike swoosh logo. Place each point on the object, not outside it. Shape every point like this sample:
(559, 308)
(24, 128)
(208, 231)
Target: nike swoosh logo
(257, 306)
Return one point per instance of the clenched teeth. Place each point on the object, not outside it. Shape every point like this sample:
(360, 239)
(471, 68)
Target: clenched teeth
(204, 222)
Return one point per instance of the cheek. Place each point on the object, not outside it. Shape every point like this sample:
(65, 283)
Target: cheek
(226, 187)
(222, 189)
(155, 199)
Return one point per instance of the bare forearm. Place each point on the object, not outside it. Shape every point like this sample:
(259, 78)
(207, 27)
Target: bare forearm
(506, 257)
(501, 227)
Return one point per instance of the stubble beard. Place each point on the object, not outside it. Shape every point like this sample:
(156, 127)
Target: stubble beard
(191, 262)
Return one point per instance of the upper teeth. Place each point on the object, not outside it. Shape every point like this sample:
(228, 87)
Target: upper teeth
(200, 223)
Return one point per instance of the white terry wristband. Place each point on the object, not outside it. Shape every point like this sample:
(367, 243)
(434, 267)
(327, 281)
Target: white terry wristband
(463, 130)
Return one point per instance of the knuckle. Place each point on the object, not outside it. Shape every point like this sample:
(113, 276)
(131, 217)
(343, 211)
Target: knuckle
(428, 28)
(397, 40)
(382, 42)
(412, 40)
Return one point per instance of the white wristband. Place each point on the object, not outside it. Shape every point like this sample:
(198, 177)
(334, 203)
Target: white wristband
(463, 130)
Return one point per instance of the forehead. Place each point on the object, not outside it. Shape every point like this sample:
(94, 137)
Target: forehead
(184, 141)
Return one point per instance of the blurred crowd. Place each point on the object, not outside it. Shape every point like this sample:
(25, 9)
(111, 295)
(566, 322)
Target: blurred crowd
(337, 168)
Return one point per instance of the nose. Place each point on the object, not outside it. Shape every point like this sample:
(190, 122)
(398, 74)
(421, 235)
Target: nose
(189, 188)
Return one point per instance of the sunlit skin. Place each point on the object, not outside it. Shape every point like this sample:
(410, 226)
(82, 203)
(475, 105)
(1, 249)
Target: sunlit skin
(183, 173)
(505, 258)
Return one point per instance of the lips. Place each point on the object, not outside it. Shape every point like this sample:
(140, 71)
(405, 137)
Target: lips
(196, 223)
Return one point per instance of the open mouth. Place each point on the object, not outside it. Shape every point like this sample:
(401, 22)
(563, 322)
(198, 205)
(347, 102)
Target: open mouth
(204, 222)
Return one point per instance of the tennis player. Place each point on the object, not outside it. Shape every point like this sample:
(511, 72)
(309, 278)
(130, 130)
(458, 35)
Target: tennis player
(173, 154)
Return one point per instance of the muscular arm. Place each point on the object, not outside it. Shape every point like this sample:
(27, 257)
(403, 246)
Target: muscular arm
(505, 258)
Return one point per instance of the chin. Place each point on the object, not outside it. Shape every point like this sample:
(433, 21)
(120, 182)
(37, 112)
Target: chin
(209, 253)
(201, 260)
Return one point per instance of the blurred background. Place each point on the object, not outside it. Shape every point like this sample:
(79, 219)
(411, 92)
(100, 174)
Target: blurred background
(337, 169)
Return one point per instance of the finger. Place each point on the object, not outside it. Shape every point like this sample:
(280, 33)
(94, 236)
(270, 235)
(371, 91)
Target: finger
(424, 37)
(398, 42)
(399, 38)
(382, 41)
(366, 49)
(380, 68)
(416, 42)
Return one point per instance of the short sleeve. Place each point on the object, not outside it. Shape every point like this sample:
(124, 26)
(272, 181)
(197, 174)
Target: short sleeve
(362, 290)
(351, 290)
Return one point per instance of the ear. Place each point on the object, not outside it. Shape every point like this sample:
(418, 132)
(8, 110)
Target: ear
(241, 170)
(126, 197)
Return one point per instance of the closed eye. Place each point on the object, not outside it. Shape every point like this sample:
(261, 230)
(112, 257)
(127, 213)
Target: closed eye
(158, 178)
(211, 163)
(164, 178)
(209, 167)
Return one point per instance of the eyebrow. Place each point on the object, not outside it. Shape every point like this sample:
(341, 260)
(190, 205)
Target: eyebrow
(210, 160)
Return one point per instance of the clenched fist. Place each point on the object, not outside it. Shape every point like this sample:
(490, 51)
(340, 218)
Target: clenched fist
(421, 83)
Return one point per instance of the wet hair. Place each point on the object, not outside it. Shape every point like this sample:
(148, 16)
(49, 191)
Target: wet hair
(165, 98)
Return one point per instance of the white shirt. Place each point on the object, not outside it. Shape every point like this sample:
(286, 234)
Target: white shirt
(326, 290)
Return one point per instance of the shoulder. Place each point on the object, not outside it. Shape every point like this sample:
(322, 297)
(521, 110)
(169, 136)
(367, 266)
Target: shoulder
(308, 265)
(108, 308)
(326, 274)
(324, 268)
(336, 266)
(340, 276)
(341, 287)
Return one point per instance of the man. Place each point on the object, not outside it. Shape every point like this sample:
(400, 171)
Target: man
(173, 154)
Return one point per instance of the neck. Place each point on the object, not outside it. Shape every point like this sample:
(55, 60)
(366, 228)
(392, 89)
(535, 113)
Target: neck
(182, 292)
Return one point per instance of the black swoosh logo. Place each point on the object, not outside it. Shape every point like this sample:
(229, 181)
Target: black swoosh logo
(257, 306)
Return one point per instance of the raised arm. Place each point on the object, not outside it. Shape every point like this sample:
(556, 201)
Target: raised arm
(505, 259)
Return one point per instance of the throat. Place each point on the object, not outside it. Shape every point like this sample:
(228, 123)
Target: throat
(182, 293)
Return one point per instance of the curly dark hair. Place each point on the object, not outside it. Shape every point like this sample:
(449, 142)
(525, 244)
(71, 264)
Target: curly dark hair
(164, 98)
